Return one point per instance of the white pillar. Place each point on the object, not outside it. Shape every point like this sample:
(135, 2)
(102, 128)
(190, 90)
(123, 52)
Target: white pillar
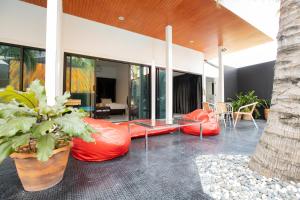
(220, 81)
(203, 83)
(153, 91)
(54, 66)
(169, 74)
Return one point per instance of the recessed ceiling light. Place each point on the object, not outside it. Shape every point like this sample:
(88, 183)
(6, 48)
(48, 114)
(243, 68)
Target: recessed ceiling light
(192, 41)
(121, 18)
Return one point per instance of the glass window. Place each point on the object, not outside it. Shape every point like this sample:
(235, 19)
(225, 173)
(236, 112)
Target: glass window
(80, 80)
(160, 93)
(34, 66)
(12, 69)
(10, 66)
(140, 92)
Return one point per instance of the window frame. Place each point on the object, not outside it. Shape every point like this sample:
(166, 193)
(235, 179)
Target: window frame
(22, 49)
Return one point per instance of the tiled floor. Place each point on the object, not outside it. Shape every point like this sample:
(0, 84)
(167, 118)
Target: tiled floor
(166, 171)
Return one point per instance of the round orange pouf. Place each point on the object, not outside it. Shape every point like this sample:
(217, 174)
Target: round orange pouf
(111, 141)
(210, 125)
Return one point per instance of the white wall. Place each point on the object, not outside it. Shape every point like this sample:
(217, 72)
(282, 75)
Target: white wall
(22, 23)
(251, 56)
(118, 71)
(122, 84)
(262, 14)
(106, 72)
(25, 24)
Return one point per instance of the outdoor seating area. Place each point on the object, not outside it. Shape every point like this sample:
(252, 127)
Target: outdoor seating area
(149, 99)
(138, 174)
(113, 140)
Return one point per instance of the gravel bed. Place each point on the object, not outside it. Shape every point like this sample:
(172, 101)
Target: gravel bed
(228, 177)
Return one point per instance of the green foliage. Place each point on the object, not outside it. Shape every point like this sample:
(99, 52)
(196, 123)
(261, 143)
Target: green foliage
(243, 99)
(15, 125)
(71, 125)
(26, 119)
(14, 53)
(265, 103)
(5, 149)
(27, 99)
(45, 145)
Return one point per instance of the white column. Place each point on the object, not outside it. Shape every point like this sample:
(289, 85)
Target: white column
(203, 83)
(153, 91)
(54, 64)
(169, 74)
(220, 81)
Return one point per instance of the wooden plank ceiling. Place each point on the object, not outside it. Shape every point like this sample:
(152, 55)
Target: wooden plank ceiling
(197, 24)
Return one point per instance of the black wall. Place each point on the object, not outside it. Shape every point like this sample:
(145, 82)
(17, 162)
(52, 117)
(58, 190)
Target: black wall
(230, 82)
(106, 88)
(255, 77)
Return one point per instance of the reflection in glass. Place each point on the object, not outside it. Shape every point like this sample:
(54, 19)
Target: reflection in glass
(140, 92)
(10, 67)
(34, 66)
(80, 80)
(160, 93)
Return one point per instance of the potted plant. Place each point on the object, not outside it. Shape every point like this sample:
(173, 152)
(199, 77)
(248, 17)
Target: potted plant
(38, 136)
(243, 99)
(266, 103)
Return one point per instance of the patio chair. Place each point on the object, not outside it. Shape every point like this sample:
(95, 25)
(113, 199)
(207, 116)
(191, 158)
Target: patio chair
(225, 112)
(246, 110)
(208, 106)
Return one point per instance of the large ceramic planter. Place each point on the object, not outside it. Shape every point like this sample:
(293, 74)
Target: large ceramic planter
(36, 175)
(266, 113)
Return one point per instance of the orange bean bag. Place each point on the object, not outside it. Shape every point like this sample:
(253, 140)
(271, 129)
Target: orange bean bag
(139, 131)
(210, 125)
(111, 141)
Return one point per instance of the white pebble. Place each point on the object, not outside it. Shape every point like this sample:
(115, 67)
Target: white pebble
(228, 177)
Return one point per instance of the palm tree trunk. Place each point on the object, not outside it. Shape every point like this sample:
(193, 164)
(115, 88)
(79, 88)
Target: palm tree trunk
(278, 151)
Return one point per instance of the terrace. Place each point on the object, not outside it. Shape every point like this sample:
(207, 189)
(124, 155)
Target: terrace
(151, 99)
(168, 170)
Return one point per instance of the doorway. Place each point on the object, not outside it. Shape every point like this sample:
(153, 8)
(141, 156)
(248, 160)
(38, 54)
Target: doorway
(140, 92)
(160, 92)
(120, 91)
(210, 90)
(112, 90)
(187, 92)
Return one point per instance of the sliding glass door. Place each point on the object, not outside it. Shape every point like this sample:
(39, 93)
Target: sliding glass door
(160, 93)
(80, 80)
(139, 98)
